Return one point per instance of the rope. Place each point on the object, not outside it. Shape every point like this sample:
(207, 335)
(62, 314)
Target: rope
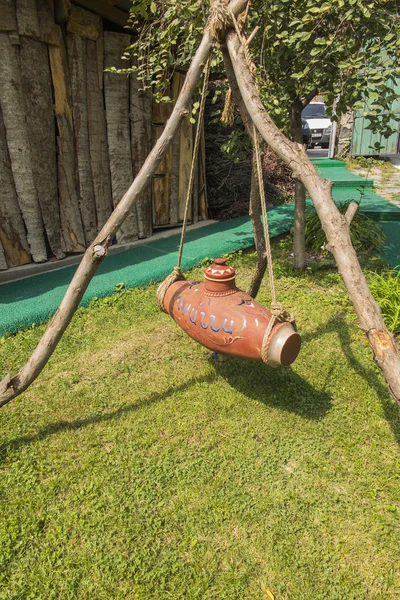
(219, 19)
(194, 158)
(176, 274)
(228, 114)
(279, 314)
(264, 214)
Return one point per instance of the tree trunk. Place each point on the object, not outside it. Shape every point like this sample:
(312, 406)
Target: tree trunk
(14, 114)
(299, 250)
(36, 81)
(255, 198)
(10, 387)
(333, 222)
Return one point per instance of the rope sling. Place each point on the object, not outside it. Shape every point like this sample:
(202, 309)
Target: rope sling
(221, 17)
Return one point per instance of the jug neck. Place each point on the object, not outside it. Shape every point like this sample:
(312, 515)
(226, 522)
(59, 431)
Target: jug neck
(220, 278)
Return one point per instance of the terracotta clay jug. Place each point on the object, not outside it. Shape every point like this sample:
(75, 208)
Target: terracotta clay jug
(226, 320)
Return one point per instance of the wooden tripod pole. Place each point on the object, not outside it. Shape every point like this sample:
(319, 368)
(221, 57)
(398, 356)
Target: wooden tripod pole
(10, 387)
(335, 225)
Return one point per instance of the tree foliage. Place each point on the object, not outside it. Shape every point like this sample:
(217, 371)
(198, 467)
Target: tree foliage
(168, 36)
(347, 48)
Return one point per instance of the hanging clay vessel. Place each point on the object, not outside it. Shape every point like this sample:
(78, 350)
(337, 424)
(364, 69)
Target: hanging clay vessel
(226, 320)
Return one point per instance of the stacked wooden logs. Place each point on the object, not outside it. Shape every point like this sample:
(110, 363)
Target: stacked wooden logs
(72, 137)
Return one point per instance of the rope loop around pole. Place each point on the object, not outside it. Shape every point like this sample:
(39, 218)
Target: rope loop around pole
(175, 275)
(219, 19)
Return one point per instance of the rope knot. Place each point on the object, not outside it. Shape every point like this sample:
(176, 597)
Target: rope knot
(175, 275)
(280, 313)
(220, 19)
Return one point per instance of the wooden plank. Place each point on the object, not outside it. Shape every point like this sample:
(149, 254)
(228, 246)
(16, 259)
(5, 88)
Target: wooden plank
(12, 228)
(100, 57)
(76, 48)
(161, 112)
(72, 236)
(175, 146)
(3, 263)
(162, 185)
(84, 23)
(161, 191)
(47, 26)
(195, 211)
(140, 117)
(8, 19)
(36, 83)
(103, 8)
(14, 114)
(162, 182)
(62, 9)
(116, 91)
(27, 18)
(98, 138)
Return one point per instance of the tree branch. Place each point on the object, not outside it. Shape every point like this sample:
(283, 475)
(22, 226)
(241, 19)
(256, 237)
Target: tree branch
(350, 212)
(11, 387)
(305, 100)
(333, 222)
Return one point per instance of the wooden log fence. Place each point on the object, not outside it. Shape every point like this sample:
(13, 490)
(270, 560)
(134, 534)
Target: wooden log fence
(72, 137)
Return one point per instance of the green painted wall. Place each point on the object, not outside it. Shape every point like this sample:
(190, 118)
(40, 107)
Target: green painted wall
(363, 140)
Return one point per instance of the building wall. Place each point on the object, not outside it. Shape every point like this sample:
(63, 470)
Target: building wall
(72, 137)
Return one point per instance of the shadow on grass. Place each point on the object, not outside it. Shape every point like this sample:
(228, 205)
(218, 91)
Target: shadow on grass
(279, 388)
(339, 325)
(122, 411)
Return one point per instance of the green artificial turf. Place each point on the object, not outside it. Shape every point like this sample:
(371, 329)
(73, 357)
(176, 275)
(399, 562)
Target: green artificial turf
(136, 467)
(35, 299)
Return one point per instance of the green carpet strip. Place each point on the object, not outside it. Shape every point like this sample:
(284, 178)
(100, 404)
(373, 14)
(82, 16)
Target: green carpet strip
(35, 299)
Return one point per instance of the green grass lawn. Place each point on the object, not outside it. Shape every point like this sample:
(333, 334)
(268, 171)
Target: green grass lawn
(136, 467)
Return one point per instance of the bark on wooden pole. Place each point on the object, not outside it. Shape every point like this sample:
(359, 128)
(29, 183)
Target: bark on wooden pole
(10, 387)
(8, 21)
(333, 222)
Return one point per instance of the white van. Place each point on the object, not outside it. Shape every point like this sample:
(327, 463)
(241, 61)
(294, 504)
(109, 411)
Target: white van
(320, 125)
